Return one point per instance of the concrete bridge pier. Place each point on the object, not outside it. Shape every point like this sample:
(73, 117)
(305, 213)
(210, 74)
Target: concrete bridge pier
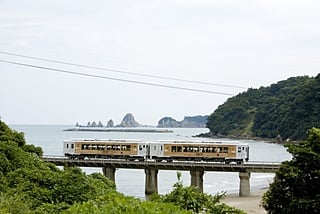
(197, 179)
(244, 190)
(109, 172)
(151, 181)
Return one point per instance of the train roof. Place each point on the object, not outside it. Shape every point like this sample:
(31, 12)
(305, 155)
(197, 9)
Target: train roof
(103, 140)
(202, 142)
(180, 142)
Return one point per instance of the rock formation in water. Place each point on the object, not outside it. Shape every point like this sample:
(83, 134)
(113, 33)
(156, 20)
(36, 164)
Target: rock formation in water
(187, 122)
(91, 124)
(168, 122)
(110, 124)
(129, 121)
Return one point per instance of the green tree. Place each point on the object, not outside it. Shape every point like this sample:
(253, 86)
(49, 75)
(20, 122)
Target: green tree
(192, 199)
(296, 186)
(287, 109)
(8, 135)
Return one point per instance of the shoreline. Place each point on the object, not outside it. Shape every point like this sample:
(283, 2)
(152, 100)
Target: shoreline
(250, 204)
(267, 140)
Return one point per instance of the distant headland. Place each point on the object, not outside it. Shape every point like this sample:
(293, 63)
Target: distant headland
(187, 122)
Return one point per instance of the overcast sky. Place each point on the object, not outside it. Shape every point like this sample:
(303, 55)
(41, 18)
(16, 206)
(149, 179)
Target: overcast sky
(239, 44)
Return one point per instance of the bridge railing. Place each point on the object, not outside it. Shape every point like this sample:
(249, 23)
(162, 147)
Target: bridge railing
(254, 166)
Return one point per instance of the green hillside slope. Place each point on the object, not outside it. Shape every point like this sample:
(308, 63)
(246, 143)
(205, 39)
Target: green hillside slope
(286, 109)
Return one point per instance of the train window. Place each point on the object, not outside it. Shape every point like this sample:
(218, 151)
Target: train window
(179, 148)
(173, 149)
(154, 147)
(108, 147)
(239, 149)
(140, 147)
(225, 149)
(128, 147)
(67, 146)
(219, 149)
(72, 146)
(160, 148)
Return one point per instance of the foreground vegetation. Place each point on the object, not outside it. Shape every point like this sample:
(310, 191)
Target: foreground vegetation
(29, 185)
(285, 110)
(296, 186)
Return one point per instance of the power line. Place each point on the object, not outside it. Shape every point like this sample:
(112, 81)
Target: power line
(111, 78)
(120, 71)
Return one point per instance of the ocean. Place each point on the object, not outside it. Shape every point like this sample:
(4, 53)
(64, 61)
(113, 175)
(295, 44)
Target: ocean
(131, 181)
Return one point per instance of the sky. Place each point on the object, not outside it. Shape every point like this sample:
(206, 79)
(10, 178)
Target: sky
(151, 58)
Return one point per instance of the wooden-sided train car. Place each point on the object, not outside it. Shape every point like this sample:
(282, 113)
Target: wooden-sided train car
(201, 151)
(96, 148)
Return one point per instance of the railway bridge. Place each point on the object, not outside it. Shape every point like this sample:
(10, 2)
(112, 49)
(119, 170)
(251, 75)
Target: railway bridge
(151, 169)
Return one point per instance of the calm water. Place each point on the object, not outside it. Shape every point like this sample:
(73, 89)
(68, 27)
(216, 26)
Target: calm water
(131, 181)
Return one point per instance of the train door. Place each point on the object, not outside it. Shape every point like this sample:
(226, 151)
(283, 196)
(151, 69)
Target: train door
(242, 152)
(143, 150)
(68, 147)
(156, 150)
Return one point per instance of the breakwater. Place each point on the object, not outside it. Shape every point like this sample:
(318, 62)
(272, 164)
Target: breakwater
(119, 129)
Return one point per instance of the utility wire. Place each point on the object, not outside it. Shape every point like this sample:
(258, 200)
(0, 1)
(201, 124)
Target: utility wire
(111, 78)
(120, 71)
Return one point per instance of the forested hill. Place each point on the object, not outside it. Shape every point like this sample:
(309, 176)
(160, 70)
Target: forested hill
(284, 110)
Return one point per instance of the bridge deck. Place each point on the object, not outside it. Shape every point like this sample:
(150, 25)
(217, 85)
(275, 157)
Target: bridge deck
(259, 167)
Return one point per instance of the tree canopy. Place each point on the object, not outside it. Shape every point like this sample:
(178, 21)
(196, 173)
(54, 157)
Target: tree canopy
(296, 186)
(192, 199)
(286, 110)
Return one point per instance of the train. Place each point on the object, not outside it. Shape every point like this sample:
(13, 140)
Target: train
(161, 150)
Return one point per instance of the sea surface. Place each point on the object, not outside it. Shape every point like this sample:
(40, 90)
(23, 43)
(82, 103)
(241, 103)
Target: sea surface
(131, 181)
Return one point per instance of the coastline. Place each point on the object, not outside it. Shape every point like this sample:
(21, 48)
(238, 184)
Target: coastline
(267, 140)
(250, 205)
